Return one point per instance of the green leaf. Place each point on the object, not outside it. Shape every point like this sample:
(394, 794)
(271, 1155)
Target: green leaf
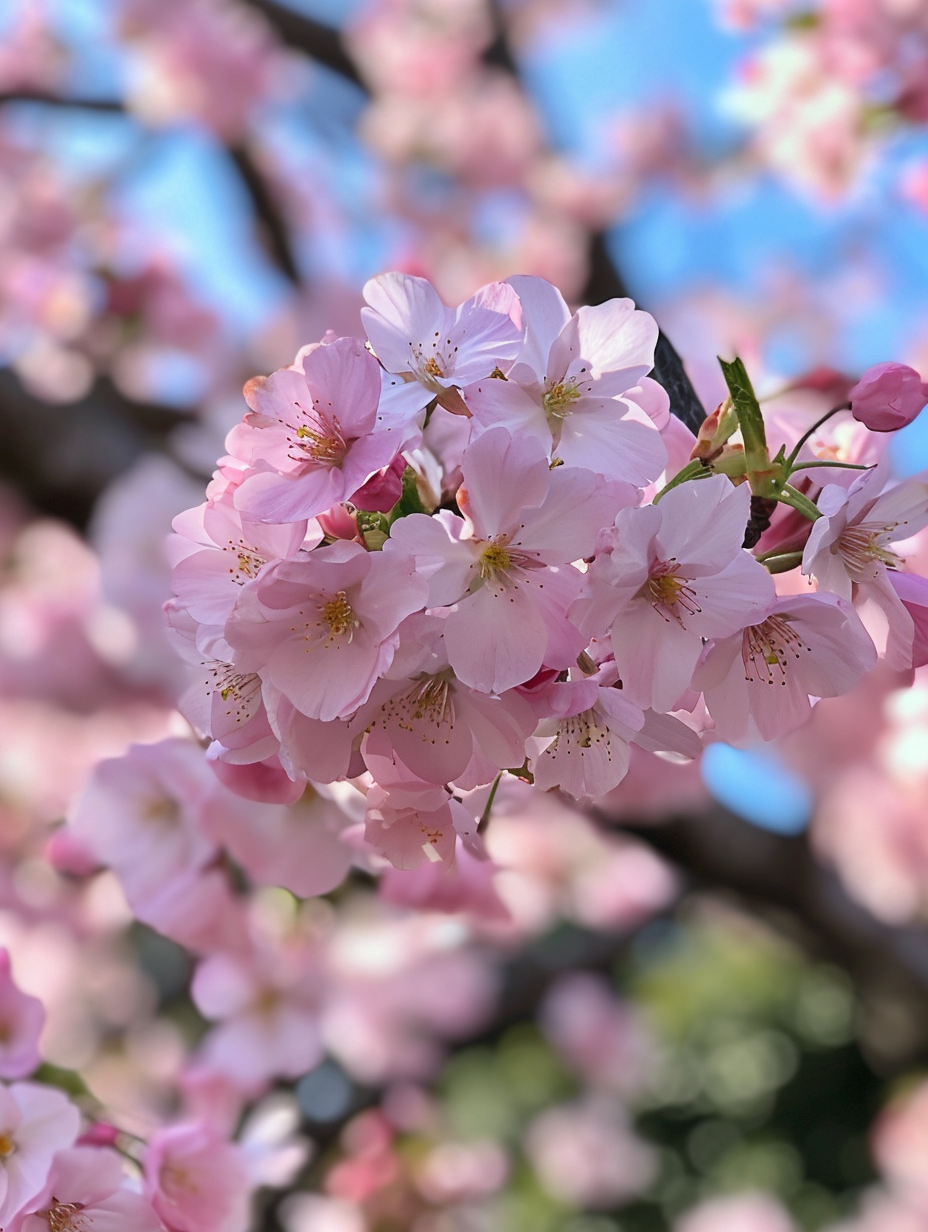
(744, 400)
(764, 478)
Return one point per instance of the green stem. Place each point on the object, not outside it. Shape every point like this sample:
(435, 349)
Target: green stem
(789, 496)
(485, 815)
(805, 436)
(848, 466)
(693, 470)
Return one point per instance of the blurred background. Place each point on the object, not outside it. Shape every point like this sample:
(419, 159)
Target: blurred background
(704, 1006)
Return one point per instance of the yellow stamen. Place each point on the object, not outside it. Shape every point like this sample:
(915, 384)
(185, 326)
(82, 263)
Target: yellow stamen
(495, 558)
(64, 1216)
(338, 614)
(560, 398)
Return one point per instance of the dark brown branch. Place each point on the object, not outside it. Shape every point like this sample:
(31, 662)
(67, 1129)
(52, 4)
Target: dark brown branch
(61, 456)
(107, 105)
(320, 42)
(271, 226)
(605, 282)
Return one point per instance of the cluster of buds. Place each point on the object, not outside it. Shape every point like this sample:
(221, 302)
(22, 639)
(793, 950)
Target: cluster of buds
(477, 542)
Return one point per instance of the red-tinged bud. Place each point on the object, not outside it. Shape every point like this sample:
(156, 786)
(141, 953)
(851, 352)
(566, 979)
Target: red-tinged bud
(706, 446)
(714, 432)
(383, 490)
(829, 382)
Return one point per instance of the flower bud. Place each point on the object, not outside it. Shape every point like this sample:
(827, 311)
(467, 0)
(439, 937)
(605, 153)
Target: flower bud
(887, 397)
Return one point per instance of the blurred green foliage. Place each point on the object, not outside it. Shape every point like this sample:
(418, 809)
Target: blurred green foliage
(759, 1084)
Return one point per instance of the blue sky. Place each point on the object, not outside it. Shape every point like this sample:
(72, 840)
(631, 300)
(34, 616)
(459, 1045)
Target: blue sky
(619, 53)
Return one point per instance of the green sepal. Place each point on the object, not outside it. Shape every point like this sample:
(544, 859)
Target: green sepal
(374, 529)
(67, 1080)
(410, 501)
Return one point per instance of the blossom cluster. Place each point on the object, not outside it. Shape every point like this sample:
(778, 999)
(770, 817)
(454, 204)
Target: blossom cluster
(477, 542)
(835, 79)
(60, 1170)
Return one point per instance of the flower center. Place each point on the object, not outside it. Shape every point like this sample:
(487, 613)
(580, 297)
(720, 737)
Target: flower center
(864, 550)
(339, 615)
(177, 1177)
(64, 1216)
(767, 649)
(318, 439)
(494, 559)
(432, 368)
(249, 563)
(163, 809)
(559, 398)
(670, 595)
(581, 731)
(7, 1145)
(237, 688)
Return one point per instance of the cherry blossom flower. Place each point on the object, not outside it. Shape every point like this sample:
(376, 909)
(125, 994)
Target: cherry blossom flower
(436, 724)
(441, 349)
(506, 570)
(323, 629)
(410, 820)
(86, 1192)
(216, 553)
(850, 553)
(675, 574)
(758, 682)
(266, 1001)
(295, 845)
(196, 1181)
(316, 427)
(567, 385)
(140, 813)
(35, 1122)
(912, 591)
(592, 726)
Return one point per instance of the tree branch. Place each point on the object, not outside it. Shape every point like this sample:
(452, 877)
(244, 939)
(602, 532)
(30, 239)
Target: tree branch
(320, 42)
(605, 282)
(270, 224)
(62, 455)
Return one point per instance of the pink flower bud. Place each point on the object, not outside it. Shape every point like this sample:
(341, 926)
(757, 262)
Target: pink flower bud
(888, 396)
(99, 1134)
(339, 522)
(383, 490)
